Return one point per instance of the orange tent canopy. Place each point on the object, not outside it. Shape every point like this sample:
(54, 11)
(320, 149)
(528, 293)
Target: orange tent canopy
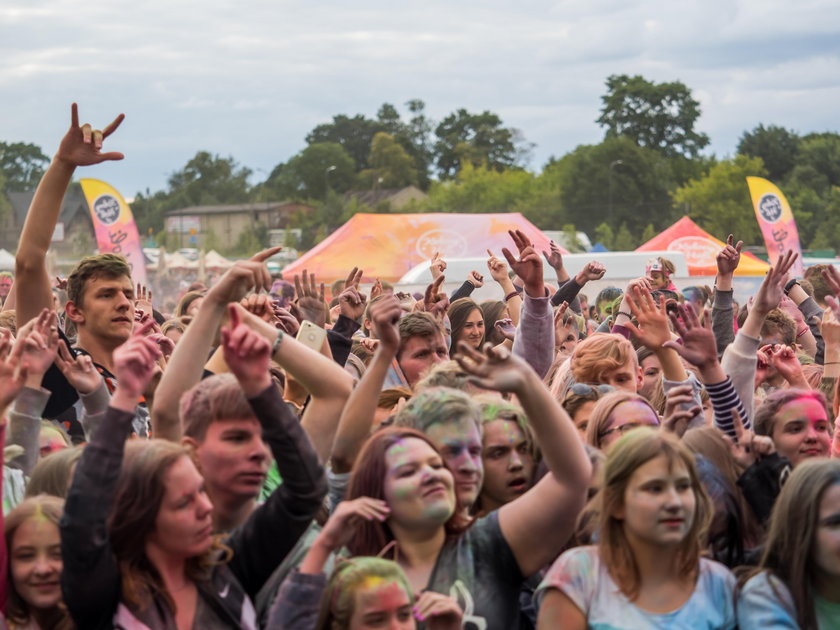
(387, 246)
(700, 249)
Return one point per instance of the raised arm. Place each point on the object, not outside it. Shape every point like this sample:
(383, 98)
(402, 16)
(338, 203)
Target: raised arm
(357, 417)
(274, 528)
(81, 146)
(722, 316)
(499, 273)
(91, 580)
(548, 512)
(185, 366)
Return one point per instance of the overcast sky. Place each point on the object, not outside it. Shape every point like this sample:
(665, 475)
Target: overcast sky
(251, 78)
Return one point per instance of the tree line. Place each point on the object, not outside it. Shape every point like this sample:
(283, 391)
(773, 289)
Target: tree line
(648, 170)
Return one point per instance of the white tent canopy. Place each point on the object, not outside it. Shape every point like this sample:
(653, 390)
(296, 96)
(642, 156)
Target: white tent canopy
(7, 261)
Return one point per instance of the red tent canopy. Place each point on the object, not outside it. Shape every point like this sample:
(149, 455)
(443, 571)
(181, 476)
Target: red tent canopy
(387, 246)
(700, 249)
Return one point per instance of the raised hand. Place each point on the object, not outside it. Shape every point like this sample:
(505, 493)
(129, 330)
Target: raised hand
(762, 364)
(747, 447)
(352, 303)
(385, 315)
(830, 329)
(166, 345)
(376, 289)
(729, 257)
(260, 304)
(677, 417)
(784, 359)
(38, 339)
(698, 346)
(242, 277)
(434, 301)
(475, 279)
(832, 279)
(354, 278)
(342, 523)
(311, 302)
(437, 266)
(527, 265)
(246, 352)
(143, 299)
(439, 611)
(506, 328)
(134, 365)
(82, 145)
(494, 368)
(79, 370)
(498, 269)
(13, 371)
(652, 328)
(592, 270)
(554, 257)
(772, 287)
(285, 321)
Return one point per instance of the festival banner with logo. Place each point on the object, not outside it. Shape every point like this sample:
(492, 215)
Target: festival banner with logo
(776, 221)
(116, 231)
(387, 246)
(700, 249)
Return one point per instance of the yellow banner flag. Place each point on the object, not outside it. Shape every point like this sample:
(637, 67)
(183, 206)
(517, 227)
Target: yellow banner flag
(116, 231)
(775, 218)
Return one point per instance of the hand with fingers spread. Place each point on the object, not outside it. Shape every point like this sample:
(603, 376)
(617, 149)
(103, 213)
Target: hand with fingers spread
(134, 366)
(82, 145)
(528, 265)
(591, 271)
(38, 339)
(729, 257)
(498, 269)
(352, 303)
(439, 611)
(494, 368)
(354, 279)
(698, 346)
(772, 287)
(554, 257)
(678, 414)
(437, 266)
(310, 300)
(13, 371)
(832, 279)
(143, 299)
(242, 277)
(747, 447)
(435, 302)
(475, 279)
(246, 352)
(79, 370)
(385, 315)
(651, 328)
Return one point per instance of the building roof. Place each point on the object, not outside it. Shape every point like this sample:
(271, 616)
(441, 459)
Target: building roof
(236, 208)
(74, 202)
(373, 197)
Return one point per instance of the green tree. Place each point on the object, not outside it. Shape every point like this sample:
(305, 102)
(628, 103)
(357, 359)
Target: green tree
(776, 146)
(476, 138)
(604, 234)
(649, 233)
(312, 172)
(615, 181)
(354, 134)
(22, 165)
(482, 189)
(624, 240)
(720, 201)
(659, 116)
(390, 164)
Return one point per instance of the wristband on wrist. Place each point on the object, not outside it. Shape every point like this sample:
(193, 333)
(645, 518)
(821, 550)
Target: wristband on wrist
(276, 346)
(802, 332)
(627, 315)
(511, 295)
(790, 284)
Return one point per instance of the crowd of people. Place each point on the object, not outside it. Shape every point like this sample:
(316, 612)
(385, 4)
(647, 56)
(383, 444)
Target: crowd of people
(274, 454)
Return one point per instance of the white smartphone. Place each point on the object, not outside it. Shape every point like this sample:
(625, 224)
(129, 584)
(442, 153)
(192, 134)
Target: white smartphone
(311, 336)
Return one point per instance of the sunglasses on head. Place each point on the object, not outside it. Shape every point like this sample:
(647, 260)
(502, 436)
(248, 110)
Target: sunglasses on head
(586, 389)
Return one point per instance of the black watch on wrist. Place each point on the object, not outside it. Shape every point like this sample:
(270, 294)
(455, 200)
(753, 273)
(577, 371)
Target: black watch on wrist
(790, 284)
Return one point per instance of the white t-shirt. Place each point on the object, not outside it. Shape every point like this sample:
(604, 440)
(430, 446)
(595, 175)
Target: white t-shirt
(582, 577)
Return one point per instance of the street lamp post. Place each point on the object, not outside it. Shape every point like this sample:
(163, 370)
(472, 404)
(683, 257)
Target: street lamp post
(327, 172)
(613, 164)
